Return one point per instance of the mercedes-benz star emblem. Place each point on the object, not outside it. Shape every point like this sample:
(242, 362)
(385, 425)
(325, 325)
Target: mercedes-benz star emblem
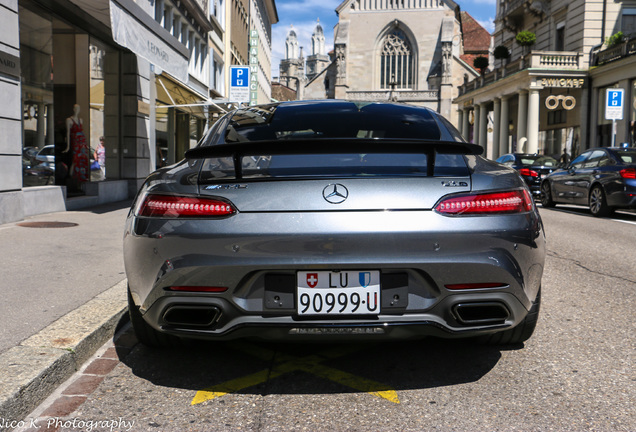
(335, 193)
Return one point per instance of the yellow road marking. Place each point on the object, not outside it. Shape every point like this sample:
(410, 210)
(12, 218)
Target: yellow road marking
(286, 363)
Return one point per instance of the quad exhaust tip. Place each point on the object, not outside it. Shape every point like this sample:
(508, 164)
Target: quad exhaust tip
(191, 316)
(481, 313)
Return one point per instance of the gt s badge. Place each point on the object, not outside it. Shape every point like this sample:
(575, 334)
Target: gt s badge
(453, 183)
(226, 187)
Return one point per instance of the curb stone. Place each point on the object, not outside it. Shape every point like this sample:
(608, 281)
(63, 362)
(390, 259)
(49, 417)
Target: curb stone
(32, 370)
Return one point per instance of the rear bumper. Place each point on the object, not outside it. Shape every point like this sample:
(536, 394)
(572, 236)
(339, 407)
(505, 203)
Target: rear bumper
(440, 321)
(428, 251)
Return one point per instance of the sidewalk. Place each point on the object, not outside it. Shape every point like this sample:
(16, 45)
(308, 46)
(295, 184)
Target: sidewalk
(64, 293)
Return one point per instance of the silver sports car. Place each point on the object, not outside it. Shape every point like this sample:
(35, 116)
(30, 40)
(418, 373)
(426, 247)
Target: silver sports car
(329, 220)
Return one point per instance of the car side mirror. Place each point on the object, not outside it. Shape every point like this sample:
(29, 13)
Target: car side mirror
(571, 169)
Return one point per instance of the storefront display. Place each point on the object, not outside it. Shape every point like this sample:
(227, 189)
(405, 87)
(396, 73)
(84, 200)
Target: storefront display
(64, 101)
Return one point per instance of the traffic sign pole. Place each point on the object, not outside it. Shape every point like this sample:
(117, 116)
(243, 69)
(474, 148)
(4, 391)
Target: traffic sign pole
(614, 98)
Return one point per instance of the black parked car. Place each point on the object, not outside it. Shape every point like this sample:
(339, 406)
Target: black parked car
(603, 178)
(532, 167)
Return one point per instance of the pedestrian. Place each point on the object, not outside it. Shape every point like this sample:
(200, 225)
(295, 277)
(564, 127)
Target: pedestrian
(564, 160)
(99, 155)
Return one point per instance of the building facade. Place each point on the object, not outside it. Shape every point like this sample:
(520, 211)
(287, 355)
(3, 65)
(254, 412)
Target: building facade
(403, 51)
(548, 94)
(250, 44)
(140, 77)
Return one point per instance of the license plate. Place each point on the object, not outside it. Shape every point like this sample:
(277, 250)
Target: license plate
(338, 293)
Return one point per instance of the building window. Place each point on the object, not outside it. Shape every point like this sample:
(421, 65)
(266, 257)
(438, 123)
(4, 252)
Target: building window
(396, 64)
(628, 21)
(559, 40)
(176, 26)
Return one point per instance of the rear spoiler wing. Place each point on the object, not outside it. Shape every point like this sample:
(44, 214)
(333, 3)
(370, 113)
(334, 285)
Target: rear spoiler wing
(332, 146)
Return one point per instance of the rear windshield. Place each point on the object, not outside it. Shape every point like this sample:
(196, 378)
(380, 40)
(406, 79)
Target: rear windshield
(334, 165)
(538, 160)
(299, 122)
(332, 120)
(628, 156)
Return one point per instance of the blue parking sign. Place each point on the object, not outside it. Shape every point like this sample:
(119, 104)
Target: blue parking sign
(614, 104)
(239, 84)
(240, 76)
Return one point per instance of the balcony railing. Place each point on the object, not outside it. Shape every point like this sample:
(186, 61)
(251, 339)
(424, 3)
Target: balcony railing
(398, 95)
(614, 53)
(557, 60)
(511, 5)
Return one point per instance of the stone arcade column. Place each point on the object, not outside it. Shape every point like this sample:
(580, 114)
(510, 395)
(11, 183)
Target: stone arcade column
(493, 151)
(466, 124)
(503, 126)
(477, 109)
(483, 127)
(522, 120)
(533, 121)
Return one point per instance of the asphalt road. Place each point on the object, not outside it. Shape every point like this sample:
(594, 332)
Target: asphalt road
(576, 373)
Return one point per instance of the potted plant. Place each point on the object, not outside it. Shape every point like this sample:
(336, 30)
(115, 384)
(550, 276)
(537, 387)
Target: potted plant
(481, 63)
(615, 39)
(501, 52)
(526, 38)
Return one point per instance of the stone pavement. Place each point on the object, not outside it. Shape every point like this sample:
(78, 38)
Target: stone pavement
(64, 292)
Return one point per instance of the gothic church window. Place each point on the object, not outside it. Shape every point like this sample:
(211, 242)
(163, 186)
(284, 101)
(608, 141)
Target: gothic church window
(396, 63)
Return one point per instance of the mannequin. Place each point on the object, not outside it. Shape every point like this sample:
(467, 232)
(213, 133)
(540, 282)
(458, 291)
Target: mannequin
(76, 141)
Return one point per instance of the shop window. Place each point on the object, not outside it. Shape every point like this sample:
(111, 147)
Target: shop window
(556, 117)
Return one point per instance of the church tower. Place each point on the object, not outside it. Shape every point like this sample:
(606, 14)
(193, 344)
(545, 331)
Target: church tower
(318, 60)
(292, 67)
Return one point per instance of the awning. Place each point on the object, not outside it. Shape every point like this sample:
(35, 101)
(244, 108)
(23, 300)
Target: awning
(139, 32)
(171, 94)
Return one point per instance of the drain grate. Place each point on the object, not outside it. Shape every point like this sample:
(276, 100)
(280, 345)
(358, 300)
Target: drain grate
(47, 224)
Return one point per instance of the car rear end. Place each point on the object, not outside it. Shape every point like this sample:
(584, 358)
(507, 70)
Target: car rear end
(621, 189)
(533, 169)
(317, 239)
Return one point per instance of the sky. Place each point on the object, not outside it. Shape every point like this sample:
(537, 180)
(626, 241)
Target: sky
(303, 14)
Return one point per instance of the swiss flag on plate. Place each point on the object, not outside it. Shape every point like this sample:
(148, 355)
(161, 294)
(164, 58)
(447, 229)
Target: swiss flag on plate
(312, 280)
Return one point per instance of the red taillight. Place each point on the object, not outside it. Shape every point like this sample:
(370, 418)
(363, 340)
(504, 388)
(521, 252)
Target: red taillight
(528, 172)
(517, 201)
(476, 285)
(198, 288)
(184, 207)
(628, 173)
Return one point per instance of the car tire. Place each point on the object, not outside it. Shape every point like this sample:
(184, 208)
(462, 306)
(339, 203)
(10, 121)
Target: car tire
(521, 332)
(145, 333)
(546, 196)
(598, 202)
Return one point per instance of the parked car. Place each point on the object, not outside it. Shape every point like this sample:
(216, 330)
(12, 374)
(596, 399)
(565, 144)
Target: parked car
(329, 220)
(46, 154)
(29, 154)
(36, 172)
(531, 167)
(602, 178)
